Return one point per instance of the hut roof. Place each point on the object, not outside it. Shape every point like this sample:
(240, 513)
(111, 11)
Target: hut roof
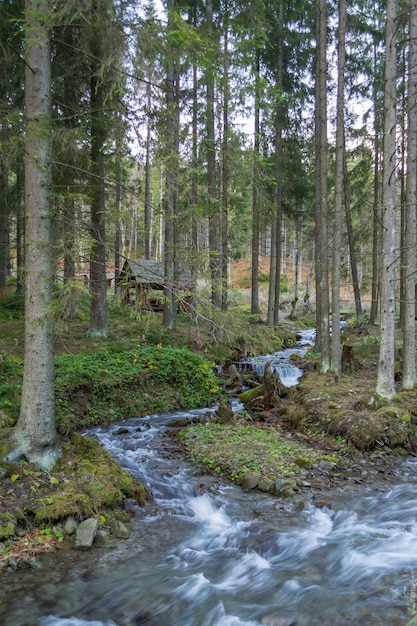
(152, 272)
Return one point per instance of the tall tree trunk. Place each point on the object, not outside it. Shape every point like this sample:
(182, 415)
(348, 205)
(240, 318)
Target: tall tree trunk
(255, 193)
(170, 174)
(225, 161)
(385, 386)
(274, 291)
(376, 216)
(272, 273)
(20, 226)
(409, 333)
(34, 436)
(69, 309)
(336, 352)
(98, 283)
(214, 229)
(194, 196)
(148, 205)
(321, 234)
(119, 180)
(351, 240)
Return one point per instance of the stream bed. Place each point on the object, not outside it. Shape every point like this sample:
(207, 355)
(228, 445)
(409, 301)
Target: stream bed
(206, 553)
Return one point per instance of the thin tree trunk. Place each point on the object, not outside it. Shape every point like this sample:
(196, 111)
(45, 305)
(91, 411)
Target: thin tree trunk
(98, 283)
(322, 278)
(255, 196)
(225, 162)
(272, 273)
(214, 227)
(119, 179)
(385, 386)
(376, 222)
(20, 227)
(409, 333)
(194, 196)
(351, 240)
(170, 169)
(4, 214)
(148, 207)
(336, 352)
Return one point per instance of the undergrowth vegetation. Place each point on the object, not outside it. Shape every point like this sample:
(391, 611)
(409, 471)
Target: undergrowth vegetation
(111, 385)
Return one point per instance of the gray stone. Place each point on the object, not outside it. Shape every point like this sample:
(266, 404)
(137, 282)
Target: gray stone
(178, 422)
(265, 484)
(85, 534)
(250, 480)
(102, 538)
(284, 487)
(327, 466)
(70, 526)
(118, 529)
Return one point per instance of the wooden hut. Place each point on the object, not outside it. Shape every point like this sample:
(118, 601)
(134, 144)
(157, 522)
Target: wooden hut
(141, 282)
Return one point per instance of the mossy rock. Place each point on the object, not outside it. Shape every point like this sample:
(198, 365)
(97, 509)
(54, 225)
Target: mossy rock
(7, 526)
(302, 462)
(368, 431)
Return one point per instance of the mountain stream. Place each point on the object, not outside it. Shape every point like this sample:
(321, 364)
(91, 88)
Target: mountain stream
(207, 553)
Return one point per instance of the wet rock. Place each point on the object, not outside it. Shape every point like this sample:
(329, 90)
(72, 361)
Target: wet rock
(250, 480)
(266, 485)
(284, 488)
(203, 419)
(118, 529)
(224, 413)
(102, 538)
(70, 525)
(121, 431)
(178, 422)
(31, 561)
(85, 534)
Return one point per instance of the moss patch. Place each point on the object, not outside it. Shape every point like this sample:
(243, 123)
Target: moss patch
(233, 449)
(85, 482)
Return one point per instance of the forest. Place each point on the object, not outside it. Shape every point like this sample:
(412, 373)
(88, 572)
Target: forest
(195, 135)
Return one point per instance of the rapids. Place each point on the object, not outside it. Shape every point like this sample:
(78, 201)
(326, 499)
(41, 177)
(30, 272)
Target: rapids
(204, 553)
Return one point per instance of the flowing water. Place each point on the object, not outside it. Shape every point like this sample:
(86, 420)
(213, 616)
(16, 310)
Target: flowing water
(280, 362)
(206, 553)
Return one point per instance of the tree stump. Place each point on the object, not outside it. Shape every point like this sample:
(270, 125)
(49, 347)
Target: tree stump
(347, 358)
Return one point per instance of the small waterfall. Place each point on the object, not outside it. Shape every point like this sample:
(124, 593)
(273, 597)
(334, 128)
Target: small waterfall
(280, 362)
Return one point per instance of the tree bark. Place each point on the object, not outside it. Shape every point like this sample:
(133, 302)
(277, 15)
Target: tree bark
(409, 333)
(255, 195)
(170, 173)
(98, 283)
(213, 207)
(336, 351)
(225, 163)
(34, 436)
(351, 240)
(385, 386)
(321, 225)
